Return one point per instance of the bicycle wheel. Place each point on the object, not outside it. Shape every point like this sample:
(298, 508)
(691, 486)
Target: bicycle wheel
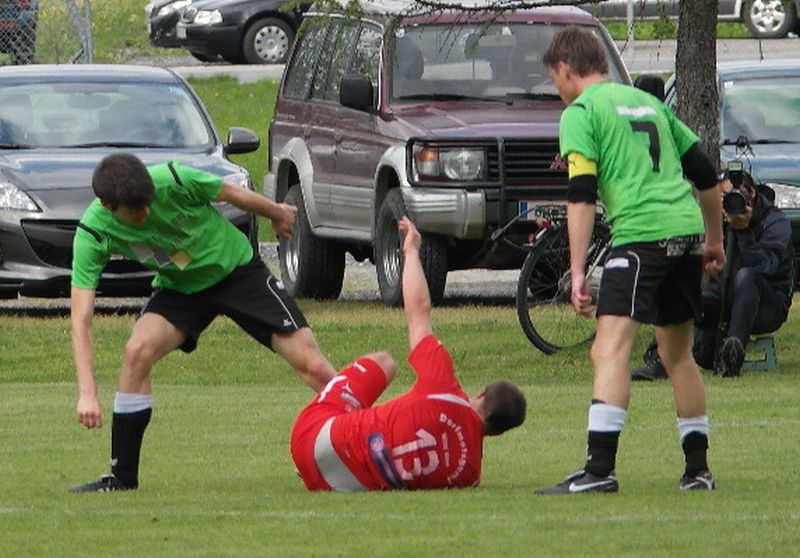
(544, 305)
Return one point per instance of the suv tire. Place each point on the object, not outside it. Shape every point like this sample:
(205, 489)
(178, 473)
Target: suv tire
(267, 41)
(756, 24)
(311, 267)
(388, 259)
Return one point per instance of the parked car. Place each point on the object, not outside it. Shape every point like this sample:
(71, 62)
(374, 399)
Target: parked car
(451, 117)
(18, 29)
(162, 17)
(759, 107)
(251, 31)
(56, 124)
(765, 19)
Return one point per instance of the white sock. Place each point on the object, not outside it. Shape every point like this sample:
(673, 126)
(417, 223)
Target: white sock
(132, 402)
(693, 424)
(606, 418)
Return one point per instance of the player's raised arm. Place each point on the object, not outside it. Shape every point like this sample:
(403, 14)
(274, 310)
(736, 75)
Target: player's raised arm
(416, 296)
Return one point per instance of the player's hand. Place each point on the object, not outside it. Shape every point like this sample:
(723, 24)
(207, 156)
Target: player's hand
(283, 220)
(89, 413)
(412, 240)
(582, 296)
(713, 258)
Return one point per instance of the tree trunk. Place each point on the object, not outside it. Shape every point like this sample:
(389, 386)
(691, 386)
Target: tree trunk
(695, 72)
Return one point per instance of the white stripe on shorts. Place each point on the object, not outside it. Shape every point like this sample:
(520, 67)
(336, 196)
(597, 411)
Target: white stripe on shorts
(635, 281)
(331, 466)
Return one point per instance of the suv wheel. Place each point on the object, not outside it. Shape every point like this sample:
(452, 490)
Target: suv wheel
(311, 267)
(769, 19)
(388, 259)
(267, 41)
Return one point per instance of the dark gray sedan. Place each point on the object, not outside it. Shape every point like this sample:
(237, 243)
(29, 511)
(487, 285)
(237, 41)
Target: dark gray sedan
(56, 124)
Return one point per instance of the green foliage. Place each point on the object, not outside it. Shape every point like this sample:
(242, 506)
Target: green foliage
(667, 29)
(217, 478)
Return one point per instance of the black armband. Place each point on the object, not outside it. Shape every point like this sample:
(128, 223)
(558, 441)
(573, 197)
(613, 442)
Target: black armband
(698, 168)
(582, 188)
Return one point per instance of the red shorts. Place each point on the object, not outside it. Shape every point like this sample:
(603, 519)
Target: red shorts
(356, 387)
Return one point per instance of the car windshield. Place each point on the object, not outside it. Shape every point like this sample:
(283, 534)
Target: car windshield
(765, 110)
(474, 60)
(90, 114)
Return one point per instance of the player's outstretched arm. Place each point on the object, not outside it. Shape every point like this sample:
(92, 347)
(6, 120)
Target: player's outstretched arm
(281, 215)
(416, 297)
(82, 312)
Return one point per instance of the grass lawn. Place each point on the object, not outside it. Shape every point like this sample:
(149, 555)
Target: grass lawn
(217, 478)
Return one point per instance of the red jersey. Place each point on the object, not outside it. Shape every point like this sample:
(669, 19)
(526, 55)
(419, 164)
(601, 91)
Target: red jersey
(430, 437)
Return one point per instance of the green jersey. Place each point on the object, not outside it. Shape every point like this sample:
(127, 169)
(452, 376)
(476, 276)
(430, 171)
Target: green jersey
(185, 239)
(637, 144)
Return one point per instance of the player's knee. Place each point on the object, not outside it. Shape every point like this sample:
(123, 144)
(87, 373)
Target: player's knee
(139, 352)
(386, 363)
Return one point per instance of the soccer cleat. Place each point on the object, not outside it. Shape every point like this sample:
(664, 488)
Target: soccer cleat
(652, 370)
(731, 357)
(581, 482)
(107, 483)
(701, 481)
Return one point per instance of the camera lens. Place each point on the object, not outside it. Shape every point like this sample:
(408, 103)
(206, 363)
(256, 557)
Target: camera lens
(734, 203)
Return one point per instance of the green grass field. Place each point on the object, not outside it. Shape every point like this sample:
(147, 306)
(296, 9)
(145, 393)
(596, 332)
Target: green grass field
(217, 478)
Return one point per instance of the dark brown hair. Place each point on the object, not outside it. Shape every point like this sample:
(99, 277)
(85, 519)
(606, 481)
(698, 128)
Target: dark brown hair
(122, 179)
(580, 49)
(504, 407)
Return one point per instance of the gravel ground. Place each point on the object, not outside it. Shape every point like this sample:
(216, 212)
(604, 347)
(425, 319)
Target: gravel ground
(476, 287)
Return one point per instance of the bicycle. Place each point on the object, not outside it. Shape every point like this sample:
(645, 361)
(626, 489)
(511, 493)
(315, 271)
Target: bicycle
(544, 288)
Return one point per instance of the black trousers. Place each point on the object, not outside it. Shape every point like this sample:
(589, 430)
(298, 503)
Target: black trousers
(756, 309)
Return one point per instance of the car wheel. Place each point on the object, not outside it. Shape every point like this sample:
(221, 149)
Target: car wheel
(388, 254)
(311, 267)
(769, 19)
(267, 41)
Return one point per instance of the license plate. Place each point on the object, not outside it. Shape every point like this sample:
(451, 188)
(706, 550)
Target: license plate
(180, 32)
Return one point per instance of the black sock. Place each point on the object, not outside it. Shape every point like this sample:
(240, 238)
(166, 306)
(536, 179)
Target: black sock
(602, 450)
(127, 431)
(695, 447)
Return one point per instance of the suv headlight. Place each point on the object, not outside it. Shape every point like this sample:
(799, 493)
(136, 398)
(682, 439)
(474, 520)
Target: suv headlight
(13, 198)
(786, 196)
(451, 163)
(207, 17)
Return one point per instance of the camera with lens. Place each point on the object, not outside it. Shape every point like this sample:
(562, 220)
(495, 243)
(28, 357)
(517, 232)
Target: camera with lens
(735, 201)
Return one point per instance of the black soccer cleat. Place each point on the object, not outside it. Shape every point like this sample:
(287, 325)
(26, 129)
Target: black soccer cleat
(107, 483)
(581, 482)
(701, 481)
(731, 357)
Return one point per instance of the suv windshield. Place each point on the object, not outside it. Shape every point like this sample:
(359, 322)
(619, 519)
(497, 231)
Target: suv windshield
(474, 60)
(764, 110)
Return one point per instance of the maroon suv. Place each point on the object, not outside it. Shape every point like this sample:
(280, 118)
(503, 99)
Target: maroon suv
(448, 117)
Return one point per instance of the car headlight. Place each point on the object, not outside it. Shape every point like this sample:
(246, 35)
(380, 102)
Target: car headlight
(786, 196)
(458, 164)
(174, 7)
(207, 17)
(13, 198)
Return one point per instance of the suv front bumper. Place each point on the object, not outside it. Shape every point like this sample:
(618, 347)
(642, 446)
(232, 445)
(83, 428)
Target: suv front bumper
(456, 213)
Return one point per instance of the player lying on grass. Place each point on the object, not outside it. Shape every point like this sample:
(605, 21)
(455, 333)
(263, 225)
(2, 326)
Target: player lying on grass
(430, 437)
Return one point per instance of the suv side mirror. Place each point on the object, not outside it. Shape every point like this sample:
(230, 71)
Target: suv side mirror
(241, 140)
(356, 92)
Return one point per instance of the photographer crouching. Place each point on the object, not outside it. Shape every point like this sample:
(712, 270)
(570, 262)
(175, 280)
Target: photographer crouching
(754, 293)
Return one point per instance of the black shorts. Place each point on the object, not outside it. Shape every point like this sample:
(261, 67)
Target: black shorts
(250, 296)
(654, 282)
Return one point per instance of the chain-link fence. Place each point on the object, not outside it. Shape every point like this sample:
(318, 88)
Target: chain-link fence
(45, 31)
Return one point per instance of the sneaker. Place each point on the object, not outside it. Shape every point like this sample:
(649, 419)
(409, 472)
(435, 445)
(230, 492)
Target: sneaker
(652, 370)
(107, 483)
(731, 357)
(580, 481)
(702, 481)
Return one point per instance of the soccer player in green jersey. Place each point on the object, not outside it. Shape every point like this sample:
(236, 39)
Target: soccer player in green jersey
(626, 148)
(163, 217)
